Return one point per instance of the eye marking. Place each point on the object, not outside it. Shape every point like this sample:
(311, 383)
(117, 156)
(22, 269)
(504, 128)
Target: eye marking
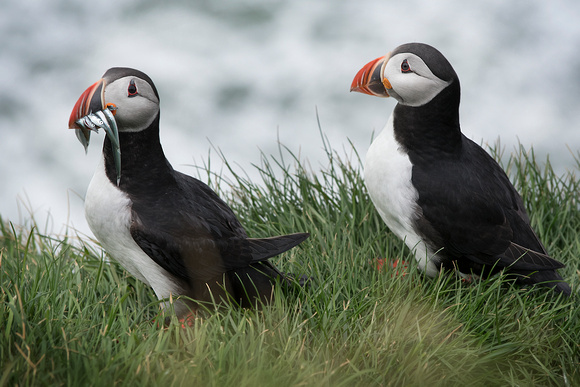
(132, 89)
(405, 67)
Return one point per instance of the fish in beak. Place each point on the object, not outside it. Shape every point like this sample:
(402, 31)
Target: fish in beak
(91, 113)
(370, 79)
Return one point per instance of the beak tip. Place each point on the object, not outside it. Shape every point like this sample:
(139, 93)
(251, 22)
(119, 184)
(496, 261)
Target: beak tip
(356, 84)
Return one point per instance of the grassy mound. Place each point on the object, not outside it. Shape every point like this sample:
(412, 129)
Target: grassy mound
(69, 317)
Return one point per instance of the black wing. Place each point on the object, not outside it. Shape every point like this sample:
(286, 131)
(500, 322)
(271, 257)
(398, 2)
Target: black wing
(189, 231)
(481, 217)
(193, 234)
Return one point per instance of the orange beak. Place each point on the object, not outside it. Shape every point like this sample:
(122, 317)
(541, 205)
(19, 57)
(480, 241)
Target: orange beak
(91, 113)
(90, 101)
(370, 80)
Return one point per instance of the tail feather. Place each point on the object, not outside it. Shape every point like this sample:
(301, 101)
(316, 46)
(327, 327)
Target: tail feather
(255, 283)
(551, 279)
(563, 287)
(546, 278)
(264, 248)
(522, 258)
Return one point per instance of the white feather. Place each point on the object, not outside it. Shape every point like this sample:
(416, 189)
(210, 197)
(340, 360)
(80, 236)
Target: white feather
(108, 212)
(415, 88)
(388, 173)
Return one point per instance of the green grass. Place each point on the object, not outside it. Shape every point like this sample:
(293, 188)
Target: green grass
(69, 317)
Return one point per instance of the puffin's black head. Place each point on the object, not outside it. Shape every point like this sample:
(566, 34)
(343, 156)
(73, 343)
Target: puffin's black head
(413, 74)
(129, 93)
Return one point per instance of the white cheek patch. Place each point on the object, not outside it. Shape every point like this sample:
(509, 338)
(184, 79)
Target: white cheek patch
(417, 87)
(138, 116)
(134, 113)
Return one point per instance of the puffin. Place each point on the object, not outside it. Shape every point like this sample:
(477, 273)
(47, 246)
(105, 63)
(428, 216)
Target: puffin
(437, 190)
(167, 229)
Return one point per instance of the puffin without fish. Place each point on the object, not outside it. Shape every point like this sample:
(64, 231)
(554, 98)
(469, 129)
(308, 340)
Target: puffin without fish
(169, 230)
(437, 190)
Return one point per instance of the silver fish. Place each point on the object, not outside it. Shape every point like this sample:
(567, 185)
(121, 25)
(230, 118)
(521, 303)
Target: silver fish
(103, 119)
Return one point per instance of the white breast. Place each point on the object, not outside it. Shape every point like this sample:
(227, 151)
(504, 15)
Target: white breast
(108, 212)
(388, 172)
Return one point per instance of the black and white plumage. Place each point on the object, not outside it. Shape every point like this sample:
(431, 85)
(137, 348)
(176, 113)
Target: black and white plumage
(436, 189)
(169, 230)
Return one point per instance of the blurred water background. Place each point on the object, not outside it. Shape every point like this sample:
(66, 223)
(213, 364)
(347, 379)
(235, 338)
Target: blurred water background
(242, 74)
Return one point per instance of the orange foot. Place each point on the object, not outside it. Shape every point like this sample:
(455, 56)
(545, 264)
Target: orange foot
(188, 320)
(467, 278)
(402, 265)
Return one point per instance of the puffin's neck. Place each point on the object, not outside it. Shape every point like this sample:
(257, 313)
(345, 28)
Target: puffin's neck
(143, 163)
(431, 130)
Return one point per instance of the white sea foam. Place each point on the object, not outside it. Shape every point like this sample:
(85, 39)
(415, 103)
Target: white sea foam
(241, 74)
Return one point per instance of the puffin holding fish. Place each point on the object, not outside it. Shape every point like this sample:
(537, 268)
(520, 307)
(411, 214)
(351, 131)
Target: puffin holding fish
(169, 230)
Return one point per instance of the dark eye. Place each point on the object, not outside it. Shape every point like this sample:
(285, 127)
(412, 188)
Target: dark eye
(405, 68)
(132, 89)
